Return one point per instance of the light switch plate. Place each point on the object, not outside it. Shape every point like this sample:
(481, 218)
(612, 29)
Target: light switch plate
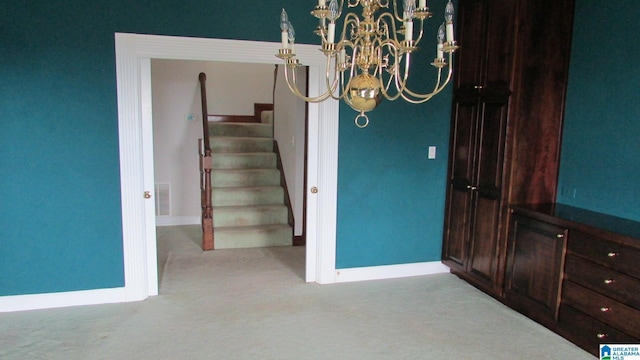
(432, 152)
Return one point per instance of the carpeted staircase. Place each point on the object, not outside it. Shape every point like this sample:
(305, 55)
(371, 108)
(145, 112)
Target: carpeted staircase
(249, 207)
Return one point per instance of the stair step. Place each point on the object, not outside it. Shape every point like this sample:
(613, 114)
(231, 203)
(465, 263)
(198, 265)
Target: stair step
(241, 129)
(248, 195)
(250, 215)
(245, 177)
(229, 144)
(253, 236)
(256, 160)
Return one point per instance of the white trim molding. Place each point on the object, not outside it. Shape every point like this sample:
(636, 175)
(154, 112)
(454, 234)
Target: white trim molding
(62, 299)
(390, 271)
(133, 54)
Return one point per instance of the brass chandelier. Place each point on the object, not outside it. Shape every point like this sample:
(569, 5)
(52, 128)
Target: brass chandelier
(372, 56)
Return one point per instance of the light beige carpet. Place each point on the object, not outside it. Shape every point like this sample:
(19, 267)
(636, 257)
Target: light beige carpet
(254, 304)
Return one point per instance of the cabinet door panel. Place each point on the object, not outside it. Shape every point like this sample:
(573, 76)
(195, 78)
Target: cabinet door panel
(457, 227)
(471, 29)
(490, 153)
(461, 174)
(483, 252)
(534, 266)
(499, 46)
(463, 142)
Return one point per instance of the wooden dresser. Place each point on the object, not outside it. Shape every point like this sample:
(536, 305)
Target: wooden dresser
(576, 272)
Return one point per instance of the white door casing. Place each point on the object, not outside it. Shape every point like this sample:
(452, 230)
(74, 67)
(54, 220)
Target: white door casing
(133, 71)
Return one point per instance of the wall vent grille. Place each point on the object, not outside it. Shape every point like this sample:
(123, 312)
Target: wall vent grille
(163, 199)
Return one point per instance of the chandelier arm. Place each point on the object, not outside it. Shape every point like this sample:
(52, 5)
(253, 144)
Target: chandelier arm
(331, 84)
(416, 98)
(395, 11)
(344, 86)
(401, 78)
(381, 23)
(393, 78)
(350, 18)
(439, 87)
(294, 89)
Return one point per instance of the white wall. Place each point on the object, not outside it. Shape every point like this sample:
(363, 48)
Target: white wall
(175, 94)
(232, 89)
(289, 131)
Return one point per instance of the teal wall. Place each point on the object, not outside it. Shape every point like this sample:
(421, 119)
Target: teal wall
(60, 219)
(390, 195)
(601, 142)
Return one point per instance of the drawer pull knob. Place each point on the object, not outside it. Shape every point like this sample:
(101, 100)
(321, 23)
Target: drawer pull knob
(612, 254)
(601, 336)
(605, 309)
(560, 236)
(608, 281)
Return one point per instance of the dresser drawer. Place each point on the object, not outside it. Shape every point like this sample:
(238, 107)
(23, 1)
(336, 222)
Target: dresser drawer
(603, 280)
(602, 308)
(619, 257)
(588, 332)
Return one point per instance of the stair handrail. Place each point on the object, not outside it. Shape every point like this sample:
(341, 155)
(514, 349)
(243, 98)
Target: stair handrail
(204, 150)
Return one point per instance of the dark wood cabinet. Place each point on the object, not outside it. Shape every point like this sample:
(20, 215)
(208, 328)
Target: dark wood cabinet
(576, 272)
(510, 85)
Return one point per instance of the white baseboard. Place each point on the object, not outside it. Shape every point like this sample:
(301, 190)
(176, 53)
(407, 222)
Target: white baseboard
(390, 271)
(177, 220)
(117, 295)
(62, 299)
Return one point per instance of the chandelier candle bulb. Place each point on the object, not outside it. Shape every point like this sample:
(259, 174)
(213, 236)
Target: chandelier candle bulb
(331, 33)
(408, 30)
(284, 27)
(441, 35)
(449, 32)
(448, 17)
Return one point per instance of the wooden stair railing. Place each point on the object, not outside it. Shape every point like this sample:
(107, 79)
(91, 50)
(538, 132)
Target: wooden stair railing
(204, 150)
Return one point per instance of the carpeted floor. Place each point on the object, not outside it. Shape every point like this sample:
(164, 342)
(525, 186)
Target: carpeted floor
(254, 304)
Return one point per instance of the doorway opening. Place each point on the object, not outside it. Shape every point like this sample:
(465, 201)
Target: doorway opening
(255, 204)
(133, 70)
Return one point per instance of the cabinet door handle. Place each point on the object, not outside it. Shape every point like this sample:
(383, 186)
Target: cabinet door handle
(560, 236)
(605, 309)
(608, 281)
(471, 187)
(601, 335)
(478, 87)
(612, 254)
